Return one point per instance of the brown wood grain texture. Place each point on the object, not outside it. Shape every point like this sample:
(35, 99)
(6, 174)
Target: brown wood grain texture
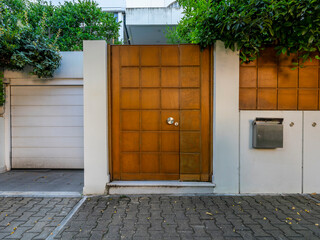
(150, 84)
(272, 83)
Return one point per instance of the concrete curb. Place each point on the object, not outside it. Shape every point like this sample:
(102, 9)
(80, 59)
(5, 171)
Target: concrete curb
(66, 219)
(40, 194)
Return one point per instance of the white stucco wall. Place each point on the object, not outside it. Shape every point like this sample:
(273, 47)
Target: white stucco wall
(226, 120)
(2, 144)
(153, 16)
(70, 68)
(96, 168)
(148, 3)
(112, 5)
(71, 65)
(311, 152)
(237, 167)
(271, 170)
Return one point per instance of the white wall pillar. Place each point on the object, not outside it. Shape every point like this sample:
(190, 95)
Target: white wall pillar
(96, 166)
(2, 144)
(5, 134)
(226, 120)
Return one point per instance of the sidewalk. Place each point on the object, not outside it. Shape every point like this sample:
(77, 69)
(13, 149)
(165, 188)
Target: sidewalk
(162, 217)
(42, 181)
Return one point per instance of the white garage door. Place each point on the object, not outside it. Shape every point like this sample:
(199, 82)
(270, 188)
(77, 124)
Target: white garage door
(47, 126)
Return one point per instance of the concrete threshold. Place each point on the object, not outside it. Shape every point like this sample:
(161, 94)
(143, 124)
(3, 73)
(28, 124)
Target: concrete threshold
(40, 194)
(159, 187)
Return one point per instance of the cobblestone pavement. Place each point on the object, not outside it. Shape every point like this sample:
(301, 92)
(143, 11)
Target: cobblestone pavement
(197, 217)
(32, 218)
(163, 217)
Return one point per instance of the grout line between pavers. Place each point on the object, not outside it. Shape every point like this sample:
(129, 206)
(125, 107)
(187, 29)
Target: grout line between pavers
(56, 231)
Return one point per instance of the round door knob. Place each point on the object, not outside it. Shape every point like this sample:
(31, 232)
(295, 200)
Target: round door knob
(170, 120)
(314, 124)
(176, 124)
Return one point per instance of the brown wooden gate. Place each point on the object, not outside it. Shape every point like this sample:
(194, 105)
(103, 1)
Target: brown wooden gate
(149, 85)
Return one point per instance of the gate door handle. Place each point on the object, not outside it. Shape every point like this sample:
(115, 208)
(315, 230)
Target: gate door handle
(170, 120)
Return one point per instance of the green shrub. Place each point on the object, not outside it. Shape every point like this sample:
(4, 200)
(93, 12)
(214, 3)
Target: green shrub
(32, 33)
(22, 44)
(251, 25)
(75, 22)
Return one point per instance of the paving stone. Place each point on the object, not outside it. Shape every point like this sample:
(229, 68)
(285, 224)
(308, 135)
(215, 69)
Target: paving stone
(45, 233)
(30, 222)
(66, 235)
(29, 218)
(28, 236)
(6, 220)
(156, 234)
(199, 231)
(17, 234)
(216, 234)
(3, 235)
(258, 230)
(13, 225)
(163, 217)
(245, 234)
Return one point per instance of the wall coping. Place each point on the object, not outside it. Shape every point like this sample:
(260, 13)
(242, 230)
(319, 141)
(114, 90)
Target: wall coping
(71, 68)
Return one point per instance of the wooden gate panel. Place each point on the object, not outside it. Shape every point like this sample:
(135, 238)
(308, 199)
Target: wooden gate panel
(150, 84)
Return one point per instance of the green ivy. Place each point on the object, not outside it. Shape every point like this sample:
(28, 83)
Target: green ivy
(290, 26)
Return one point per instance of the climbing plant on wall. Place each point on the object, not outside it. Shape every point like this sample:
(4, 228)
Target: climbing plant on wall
(251, 25)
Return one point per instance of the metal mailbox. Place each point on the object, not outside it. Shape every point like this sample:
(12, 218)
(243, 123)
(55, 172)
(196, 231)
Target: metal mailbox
(267, 133)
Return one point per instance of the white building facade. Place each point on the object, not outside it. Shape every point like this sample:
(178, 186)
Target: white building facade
(142, 21)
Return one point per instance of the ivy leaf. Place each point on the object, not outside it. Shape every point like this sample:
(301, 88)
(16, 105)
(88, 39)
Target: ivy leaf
(287, 24)
(304, 31)
(311, 38)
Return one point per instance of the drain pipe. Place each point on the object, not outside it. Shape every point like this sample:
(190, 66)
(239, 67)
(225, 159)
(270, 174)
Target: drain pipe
(125, 27)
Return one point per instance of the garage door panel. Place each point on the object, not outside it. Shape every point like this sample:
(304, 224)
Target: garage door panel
(52, 121)
(47, 100)
(46, 142)
(45, 152)
(47, 126)
(47, 131)
(76, 163)
(47, 111)
(46, 91)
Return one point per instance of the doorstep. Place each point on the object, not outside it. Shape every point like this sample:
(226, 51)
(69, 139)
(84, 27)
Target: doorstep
(159, 187)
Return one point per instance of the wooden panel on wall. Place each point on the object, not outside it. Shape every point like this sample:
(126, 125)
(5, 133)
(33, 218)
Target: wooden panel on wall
(272, 83)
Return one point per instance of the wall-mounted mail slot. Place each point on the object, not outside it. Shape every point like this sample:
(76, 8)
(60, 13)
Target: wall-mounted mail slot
(267, 133)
